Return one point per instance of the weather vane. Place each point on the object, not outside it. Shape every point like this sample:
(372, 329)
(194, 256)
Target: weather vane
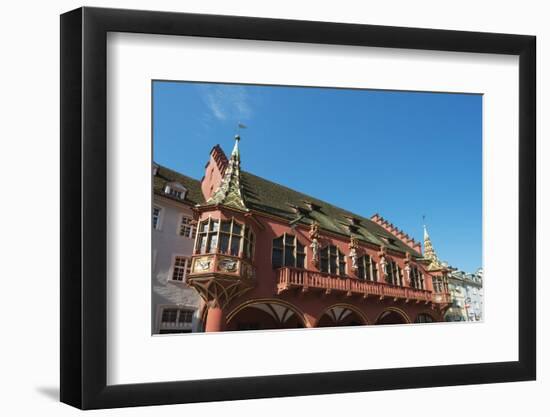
(238, 130)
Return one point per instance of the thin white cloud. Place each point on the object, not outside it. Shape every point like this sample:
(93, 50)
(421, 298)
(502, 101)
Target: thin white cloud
(227, 102)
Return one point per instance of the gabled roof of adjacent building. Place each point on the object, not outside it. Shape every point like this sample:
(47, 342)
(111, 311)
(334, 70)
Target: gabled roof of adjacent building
(165, 176)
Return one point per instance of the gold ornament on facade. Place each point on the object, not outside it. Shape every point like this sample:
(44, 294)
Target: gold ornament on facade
(202, 264)
(228, 265)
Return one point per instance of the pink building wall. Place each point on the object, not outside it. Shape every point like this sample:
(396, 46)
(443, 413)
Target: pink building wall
(311, 305)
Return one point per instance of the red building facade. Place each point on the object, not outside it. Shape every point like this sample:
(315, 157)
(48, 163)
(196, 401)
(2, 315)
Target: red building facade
(268, 257)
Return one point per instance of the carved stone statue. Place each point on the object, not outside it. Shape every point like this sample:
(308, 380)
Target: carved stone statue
(353, 253)
(383, 265)
(314, 236)
(408, 268)
(383, 261)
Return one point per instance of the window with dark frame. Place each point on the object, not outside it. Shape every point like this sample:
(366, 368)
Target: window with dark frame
(333, 261)
(366, 269)
(395, 274)
(169, 315)
(187, 228)
(417, 278)
(227, 236)
(176, 316)
(288, 251)
(181, 268)
(156, 217)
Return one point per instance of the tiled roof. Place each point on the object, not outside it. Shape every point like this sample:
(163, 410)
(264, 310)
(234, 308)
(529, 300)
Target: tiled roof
(165, 176)
(271, 198)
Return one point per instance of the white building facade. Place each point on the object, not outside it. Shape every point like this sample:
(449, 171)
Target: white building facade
(175, 306)
(466, 295)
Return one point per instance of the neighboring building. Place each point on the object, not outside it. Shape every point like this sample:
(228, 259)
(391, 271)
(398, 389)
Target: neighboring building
(269, 257)
(175, 306)
(466, 296)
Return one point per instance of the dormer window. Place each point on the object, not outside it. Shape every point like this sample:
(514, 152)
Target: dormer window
(155, 169)
(387, 239)
(175, 190)
(353, 220)
(299, 210)
(351, 228)
(312, 206)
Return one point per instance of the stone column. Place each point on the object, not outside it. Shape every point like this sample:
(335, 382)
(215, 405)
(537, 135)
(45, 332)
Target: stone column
(215, 320)
(310, 321)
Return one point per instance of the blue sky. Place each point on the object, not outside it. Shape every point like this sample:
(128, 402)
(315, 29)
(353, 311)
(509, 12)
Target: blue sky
(400, 154)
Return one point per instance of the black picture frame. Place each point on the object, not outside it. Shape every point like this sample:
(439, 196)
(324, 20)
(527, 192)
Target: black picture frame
(84, 207)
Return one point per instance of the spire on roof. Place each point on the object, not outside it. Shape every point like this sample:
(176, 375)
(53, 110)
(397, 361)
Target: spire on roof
(429, 252)
(230, 192)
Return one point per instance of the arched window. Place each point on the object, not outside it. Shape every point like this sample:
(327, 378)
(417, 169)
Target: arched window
(395, 274)
(333, 261)
(424, 318)
(417, 278)
(288, 251)
(367, 269)
(226, 236)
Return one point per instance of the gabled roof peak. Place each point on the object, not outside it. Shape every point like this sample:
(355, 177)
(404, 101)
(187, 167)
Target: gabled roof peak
(429, 252)
(230, 193)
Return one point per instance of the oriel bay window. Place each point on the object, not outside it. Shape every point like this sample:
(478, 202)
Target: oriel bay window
(226, 236)
(366, 268)
(333, 261)
(288, 251)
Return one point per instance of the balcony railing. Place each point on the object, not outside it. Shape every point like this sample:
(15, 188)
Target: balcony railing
(304, 279)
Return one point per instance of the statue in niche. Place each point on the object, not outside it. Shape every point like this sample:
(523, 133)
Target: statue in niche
(408, 268)
(353, 253)
(383, 261)
(314, 236)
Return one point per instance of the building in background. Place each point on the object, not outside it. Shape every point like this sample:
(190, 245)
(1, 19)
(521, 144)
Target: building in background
(466, 296)
(175, 306)
(269, 257)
